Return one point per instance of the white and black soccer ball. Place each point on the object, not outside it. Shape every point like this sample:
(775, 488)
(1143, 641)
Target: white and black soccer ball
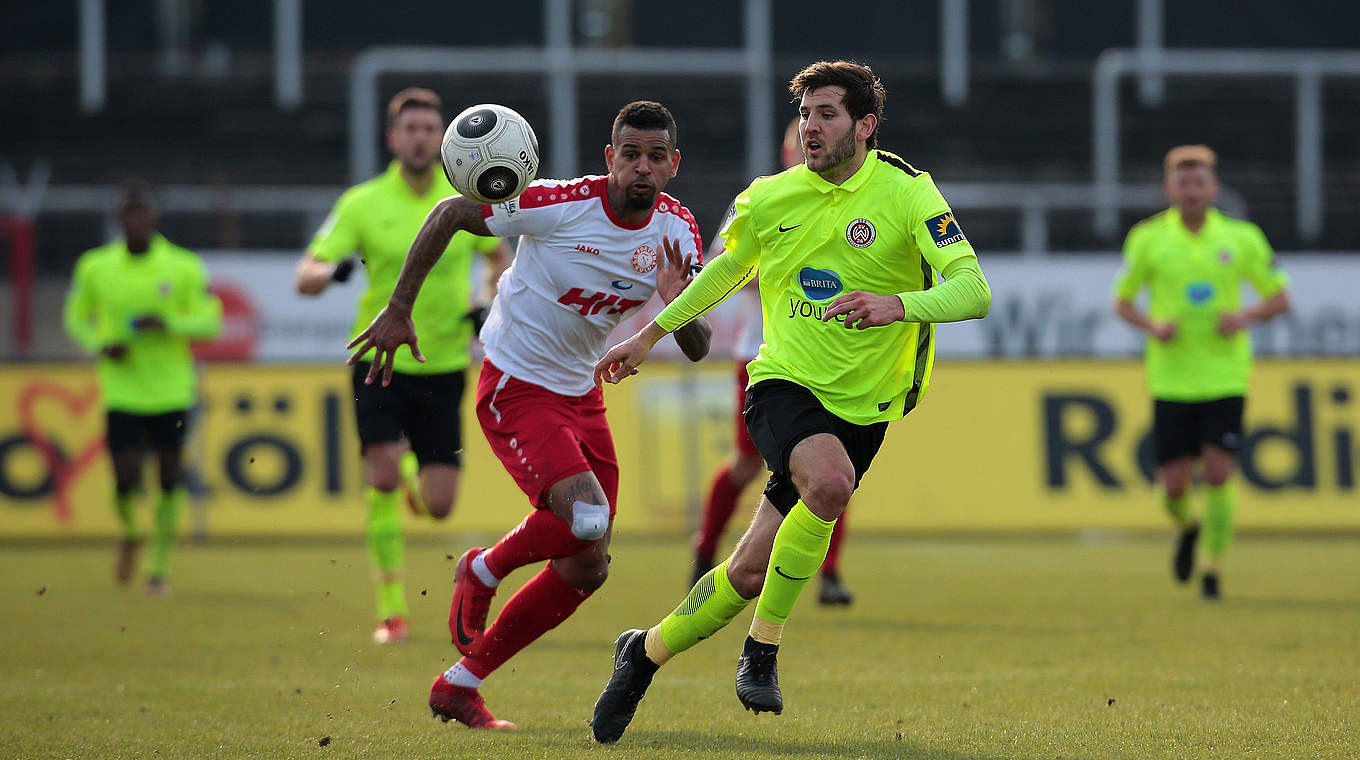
(490, 153)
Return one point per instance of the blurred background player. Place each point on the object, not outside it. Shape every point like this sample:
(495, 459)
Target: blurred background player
(838, 363)
(136, 303)
(1193, 260)
(745, 463)
(410, 432)
(536, 399)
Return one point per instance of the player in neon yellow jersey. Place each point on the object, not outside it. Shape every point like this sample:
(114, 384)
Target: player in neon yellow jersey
(410, 432)
(847, 245)
(1193, 259)
(136, 303)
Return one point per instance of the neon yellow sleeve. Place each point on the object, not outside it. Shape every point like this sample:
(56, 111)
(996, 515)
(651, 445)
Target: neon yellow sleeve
(721, 278)
(1134, 273)
(964, 294)
(1260, 270)
(724, 275)
(78, 311)
(196, 313)
(338, 236)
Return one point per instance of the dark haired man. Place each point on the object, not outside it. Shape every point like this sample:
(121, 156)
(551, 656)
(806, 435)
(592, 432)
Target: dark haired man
(1193, 259)
(846, 246)
(136, 303)
(410, 433)
(591, 250)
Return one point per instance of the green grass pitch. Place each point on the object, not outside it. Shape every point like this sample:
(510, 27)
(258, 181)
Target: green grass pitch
(964, 649)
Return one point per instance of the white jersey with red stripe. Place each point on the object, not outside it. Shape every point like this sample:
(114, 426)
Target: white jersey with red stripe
(578, 271)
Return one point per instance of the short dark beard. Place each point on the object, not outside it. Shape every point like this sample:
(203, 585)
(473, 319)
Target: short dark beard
(841, 152)
(639, 204)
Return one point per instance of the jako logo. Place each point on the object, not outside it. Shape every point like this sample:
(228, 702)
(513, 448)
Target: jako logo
(819, 284)
(583, 248)
(1199, 292)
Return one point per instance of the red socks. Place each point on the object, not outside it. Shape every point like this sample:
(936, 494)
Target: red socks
(542, 535)
(722, 501)
(543, 603)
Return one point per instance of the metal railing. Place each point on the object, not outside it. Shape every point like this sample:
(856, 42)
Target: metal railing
(562, 64)
(1307, 67)
(1034, 201)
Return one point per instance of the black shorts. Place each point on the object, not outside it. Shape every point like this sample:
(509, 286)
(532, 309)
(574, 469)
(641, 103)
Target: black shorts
(1181, 429)
(424, 408)
(138, 432)
(780, 414)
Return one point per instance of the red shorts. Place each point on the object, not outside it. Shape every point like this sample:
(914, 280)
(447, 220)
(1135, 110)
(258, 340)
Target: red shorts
(743, 438)
(542, 437)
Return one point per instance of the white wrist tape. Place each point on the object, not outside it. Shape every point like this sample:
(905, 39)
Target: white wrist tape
(589, 521)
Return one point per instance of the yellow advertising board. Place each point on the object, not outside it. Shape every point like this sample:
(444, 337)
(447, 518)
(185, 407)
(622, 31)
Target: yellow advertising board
(994, 446)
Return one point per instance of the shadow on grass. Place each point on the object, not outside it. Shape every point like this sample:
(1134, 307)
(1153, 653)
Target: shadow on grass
(791, 746)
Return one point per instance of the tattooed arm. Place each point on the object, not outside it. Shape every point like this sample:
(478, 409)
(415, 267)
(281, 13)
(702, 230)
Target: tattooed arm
(393, 327)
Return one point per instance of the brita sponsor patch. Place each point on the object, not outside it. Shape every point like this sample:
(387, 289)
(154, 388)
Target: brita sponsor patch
(1199, 292)
(819, 284)
(944, 230)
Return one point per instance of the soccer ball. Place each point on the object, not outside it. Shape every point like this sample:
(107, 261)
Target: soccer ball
(490, 153)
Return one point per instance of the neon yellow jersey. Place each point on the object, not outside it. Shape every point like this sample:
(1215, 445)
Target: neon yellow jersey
(884, 230)
(111, 288)
(380, 219)
(1192, 280)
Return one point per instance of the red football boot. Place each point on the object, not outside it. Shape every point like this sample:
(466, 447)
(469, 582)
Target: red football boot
(470, 604)
(391, 631)
(463, 704)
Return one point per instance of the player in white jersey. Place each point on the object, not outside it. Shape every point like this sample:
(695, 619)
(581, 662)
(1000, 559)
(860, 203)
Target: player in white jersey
(591, 250)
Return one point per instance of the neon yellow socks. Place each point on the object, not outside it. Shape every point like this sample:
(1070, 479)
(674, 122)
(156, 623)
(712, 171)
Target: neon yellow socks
(1218, 523)
(168, 509)
(799, 549)
(711, 604)
(125, 507)
(387, 548)
(1177, 507)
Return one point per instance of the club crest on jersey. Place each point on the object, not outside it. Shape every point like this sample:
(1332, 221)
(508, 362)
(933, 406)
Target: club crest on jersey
(644, 259)
(820, 284)
(1225, 256)
(944, 230)
(861, 233)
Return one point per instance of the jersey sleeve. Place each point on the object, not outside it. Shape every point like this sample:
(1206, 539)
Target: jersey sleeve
(933, 225)
(1265, 278)
(738, 233)
(1134, 272)
(338, 236)
(537, 211)
(196, 312)
(724, 275)
(78, 311)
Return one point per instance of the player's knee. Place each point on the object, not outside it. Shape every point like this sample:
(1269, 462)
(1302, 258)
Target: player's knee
(589, 522)
(439, 507)
(587, 571)
(1175, 487)
(829, 493)
(383, 480)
